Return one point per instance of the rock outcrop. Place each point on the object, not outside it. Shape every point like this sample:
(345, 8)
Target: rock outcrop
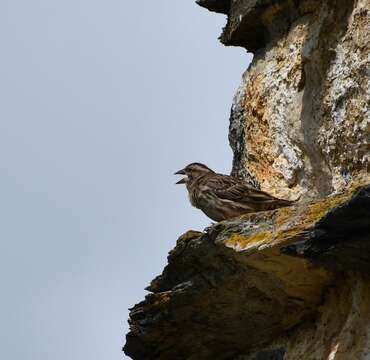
(292, 283)
(300, 121)
(284, 281)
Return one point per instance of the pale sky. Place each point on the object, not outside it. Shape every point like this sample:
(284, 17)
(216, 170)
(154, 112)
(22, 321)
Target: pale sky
(101, 102)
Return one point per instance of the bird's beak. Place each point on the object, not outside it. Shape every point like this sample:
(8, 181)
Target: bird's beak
(181, 172)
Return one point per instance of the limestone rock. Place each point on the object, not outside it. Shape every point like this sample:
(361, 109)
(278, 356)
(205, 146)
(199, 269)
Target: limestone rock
(234, 288)
(300, 122)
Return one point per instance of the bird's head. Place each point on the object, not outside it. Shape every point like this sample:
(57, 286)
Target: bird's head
(193, 171)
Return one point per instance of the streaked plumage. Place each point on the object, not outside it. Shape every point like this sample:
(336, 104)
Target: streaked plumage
(222, 197)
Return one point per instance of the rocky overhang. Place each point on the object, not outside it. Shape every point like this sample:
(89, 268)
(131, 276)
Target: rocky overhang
(247, 281)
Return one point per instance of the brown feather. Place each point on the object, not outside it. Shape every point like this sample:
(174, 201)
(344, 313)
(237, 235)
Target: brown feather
(221, 196)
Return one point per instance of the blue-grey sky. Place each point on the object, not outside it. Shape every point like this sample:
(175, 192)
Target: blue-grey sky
(100, 102)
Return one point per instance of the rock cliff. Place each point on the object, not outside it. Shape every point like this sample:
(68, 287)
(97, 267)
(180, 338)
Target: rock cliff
(292, 283)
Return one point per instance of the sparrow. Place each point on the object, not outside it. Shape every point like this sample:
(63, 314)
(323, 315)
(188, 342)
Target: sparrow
(223, 197)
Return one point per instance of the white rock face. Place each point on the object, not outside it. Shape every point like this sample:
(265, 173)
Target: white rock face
(300, 122)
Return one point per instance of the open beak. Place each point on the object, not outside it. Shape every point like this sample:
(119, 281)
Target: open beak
(181, 172)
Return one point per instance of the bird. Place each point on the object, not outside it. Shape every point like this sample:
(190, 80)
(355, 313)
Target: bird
(222, 197)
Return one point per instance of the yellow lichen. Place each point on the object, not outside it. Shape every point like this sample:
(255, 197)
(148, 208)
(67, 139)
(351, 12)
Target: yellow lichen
(299, 277)
(241, 242)
(289, 222)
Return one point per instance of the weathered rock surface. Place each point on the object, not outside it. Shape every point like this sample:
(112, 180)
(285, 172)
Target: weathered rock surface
(300, 121)
(234, 288)
(292, 283)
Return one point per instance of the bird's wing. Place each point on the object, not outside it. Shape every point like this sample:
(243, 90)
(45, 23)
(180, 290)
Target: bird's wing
(230, 188)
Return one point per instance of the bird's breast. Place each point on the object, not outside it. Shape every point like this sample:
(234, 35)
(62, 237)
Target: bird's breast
(202, 199)
(194, 197)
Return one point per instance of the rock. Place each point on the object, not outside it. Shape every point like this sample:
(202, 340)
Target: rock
(235, 287)
(300, 121)
(339, 331)
(292, 283)
(219, 6)
(328, 242)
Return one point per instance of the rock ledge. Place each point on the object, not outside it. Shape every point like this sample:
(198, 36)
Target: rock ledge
(246, 283)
